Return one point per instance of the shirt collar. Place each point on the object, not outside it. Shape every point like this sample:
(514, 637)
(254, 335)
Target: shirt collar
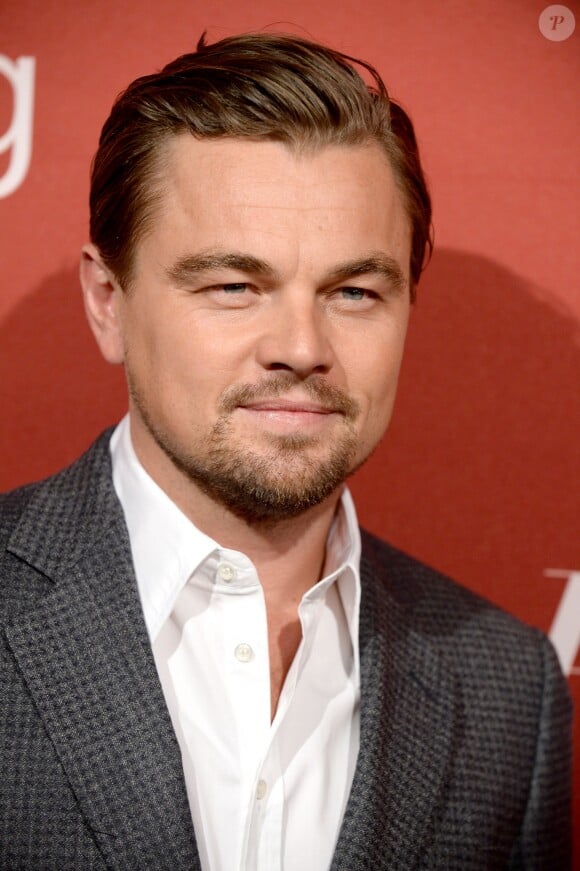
(167, 547)
(343, 552)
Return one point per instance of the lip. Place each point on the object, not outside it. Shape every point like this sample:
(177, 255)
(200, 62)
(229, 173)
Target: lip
(284, 416)
(288, 406)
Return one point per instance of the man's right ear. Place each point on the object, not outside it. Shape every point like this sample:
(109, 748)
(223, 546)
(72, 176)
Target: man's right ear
(102, 297)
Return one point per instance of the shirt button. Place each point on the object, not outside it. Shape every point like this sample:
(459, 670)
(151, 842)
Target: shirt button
(243, 652)
(261, 789)
(226, 572)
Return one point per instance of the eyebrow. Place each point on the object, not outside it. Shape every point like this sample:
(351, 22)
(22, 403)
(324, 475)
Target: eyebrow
(186, 267)
(376, 263)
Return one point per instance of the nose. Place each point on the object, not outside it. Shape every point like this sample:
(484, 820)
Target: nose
(296, 336)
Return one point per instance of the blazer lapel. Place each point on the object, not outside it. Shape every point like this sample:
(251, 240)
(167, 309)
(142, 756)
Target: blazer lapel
(84, 653)
(409, 721)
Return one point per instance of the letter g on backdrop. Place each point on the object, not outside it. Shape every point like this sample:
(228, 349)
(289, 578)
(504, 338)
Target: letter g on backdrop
(17, 140)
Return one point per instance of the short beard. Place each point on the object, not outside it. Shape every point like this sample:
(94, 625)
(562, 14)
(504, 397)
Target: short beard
(265, 490)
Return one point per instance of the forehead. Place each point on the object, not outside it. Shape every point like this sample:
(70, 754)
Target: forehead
(268, 199)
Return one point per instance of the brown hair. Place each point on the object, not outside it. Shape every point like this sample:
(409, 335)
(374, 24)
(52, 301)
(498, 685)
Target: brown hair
(268, 86)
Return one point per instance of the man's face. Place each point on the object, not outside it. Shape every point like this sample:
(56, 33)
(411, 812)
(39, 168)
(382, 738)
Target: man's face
(264, 329)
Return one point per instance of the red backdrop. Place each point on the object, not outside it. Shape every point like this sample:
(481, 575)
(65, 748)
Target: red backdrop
(479, 472)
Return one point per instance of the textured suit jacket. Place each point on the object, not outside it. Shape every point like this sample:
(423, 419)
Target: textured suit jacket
(465, 717)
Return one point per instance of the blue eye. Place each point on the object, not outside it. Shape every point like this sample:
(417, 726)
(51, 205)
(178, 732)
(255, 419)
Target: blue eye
(355, 293)
(234, 288)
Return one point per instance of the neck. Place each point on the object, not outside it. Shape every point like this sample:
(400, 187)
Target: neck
(289, 556)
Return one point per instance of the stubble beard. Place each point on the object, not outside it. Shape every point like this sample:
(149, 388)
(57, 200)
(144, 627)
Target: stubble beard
(282, 480)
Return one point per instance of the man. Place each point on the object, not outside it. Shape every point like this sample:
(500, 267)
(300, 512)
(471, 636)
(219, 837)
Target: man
(204, 664)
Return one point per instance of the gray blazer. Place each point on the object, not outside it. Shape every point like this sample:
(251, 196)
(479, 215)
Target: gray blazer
(465, 716)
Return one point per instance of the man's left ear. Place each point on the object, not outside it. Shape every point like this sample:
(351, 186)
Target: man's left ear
(101, 293)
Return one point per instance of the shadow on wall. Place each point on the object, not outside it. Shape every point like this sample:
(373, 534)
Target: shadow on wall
(56, 391)
(477, 472)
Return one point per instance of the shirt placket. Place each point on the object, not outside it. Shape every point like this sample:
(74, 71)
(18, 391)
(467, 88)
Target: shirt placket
(263, 839)
(265, 820)
(247, 672)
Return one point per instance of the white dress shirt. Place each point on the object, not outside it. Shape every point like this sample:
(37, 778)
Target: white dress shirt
(264, 796)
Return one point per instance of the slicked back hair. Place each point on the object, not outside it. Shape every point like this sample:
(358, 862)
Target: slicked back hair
(256, 86)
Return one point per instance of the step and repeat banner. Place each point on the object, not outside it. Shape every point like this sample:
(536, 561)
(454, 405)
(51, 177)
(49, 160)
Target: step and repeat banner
(479, 473)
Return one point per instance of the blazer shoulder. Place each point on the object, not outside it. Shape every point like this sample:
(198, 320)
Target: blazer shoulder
(411, 581)
(58, 487)
(44, 524)
(493, 653)
(12, 504)
(454, 617)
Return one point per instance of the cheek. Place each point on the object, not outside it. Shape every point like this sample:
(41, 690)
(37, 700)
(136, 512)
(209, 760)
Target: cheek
(163, 349)
(374, 359)
(377, 385)
(380, 403)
